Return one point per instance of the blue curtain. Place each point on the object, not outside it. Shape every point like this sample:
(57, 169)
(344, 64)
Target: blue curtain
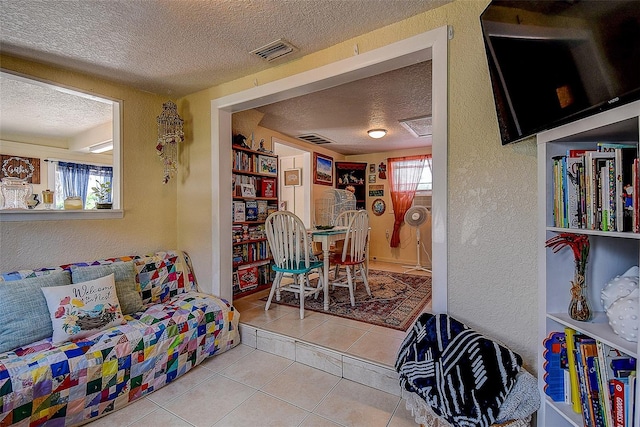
(75, 178)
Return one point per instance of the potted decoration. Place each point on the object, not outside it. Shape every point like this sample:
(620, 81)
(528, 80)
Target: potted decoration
(102, 191)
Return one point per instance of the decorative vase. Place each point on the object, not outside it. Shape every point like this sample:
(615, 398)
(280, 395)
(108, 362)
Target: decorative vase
(579, 306)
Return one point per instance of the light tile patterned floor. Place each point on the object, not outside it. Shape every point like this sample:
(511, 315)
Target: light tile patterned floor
(362, 340)
(250, 387)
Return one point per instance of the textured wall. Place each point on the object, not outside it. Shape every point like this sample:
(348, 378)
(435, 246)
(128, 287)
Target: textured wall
(149, 221)
(492, 189)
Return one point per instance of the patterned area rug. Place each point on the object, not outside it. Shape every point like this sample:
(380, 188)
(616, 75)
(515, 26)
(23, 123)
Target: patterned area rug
(397, 299)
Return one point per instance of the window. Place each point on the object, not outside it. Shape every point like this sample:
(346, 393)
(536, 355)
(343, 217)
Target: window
(77, 179)
(426, 180)
(405, 176)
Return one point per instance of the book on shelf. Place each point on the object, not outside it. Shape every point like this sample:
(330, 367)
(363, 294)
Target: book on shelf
(247, 277)
(268, 187)
(239, 211)
(555, 366)
(573, 369)
(593, 189)
(251, 212)
(262, 210)
(601, 378)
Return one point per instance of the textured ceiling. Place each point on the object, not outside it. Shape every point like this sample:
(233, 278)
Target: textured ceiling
(177, 47)
(344, 113)
(41, 111)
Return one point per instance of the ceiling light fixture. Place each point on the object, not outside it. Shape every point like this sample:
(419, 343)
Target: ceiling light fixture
(102, 147)
(377, 133)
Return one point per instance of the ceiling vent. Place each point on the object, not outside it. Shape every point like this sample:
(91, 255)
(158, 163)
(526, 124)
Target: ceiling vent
(314, 139)
(418, 126)
(274, 50)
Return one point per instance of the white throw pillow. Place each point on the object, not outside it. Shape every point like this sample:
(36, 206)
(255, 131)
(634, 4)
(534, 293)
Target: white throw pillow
(82, 309)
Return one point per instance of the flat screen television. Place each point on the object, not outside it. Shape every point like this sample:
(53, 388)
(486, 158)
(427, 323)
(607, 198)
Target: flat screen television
(553, 62)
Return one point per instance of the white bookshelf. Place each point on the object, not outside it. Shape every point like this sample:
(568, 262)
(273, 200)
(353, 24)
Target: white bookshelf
(610, 255)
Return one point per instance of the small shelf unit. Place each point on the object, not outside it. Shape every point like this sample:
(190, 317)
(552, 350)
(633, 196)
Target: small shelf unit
(611, 252)
(254, 196)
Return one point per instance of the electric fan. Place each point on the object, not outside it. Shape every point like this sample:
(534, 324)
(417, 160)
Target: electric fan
(332, 204)
(415, 217)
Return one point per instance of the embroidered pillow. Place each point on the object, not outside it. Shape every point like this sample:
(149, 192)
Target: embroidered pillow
(24, 297)
(125, 278)
(83, 309)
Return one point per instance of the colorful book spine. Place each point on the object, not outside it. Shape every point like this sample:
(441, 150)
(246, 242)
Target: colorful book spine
(555, 355)
(618, 406)
(573, 369)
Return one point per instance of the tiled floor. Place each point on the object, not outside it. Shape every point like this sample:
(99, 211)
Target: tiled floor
(250, 387)
(362, 340)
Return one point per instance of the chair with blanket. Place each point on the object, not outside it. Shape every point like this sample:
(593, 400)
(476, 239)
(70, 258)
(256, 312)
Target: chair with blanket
(457, 377)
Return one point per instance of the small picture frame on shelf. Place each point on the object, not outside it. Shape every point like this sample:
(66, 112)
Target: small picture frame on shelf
(268, 165)
(322, 169)
(292, 177)
(248, 190)
(372, 168)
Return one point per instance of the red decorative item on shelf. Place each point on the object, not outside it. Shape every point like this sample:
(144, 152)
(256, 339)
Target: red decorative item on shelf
(579, 307)
(268, 187)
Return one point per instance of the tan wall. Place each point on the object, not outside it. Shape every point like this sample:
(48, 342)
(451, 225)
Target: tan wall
(492, 197)
(379, 248)
(149, 221)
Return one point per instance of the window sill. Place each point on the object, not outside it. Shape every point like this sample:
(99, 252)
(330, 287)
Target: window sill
(9, 215)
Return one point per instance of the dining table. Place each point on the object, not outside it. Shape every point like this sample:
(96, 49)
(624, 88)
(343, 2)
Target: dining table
(326, 237)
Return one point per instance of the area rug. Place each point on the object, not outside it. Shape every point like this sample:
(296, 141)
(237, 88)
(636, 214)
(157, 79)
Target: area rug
(396, 300)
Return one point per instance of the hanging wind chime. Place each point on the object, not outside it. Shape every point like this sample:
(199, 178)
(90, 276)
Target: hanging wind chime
(170, 133)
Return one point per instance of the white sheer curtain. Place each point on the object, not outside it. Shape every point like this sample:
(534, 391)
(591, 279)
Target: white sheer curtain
(404, 176)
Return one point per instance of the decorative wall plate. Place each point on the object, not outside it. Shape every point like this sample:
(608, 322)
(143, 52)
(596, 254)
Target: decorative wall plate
(378, 206)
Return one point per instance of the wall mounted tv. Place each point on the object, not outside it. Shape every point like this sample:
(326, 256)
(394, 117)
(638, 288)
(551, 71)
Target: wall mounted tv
(553, 62)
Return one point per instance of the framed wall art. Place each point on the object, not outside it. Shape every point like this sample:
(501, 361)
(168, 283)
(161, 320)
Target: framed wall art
(27, 168)
(322, 169)
(292, 177)
(378, 207)
(268, 165)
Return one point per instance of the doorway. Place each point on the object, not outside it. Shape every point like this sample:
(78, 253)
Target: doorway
(430, 45)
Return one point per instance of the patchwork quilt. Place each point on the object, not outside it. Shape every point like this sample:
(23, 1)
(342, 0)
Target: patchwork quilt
(65, 385)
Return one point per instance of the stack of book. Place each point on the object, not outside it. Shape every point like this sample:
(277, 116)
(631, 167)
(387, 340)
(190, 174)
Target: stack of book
(594, 189)
(597, 380)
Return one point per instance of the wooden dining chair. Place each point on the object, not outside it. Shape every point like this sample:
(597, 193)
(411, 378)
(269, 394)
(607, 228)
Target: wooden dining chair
(292, 256)
(354, 255)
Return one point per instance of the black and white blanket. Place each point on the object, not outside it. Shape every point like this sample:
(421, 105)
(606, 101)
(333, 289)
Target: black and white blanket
(463, 376)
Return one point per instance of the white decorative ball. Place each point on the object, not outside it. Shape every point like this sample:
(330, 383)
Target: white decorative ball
(623, 316)
(618, 287)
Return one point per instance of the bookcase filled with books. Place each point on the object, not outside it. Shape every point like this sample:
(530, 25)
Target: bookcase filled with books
(587, 186)
(254, 193)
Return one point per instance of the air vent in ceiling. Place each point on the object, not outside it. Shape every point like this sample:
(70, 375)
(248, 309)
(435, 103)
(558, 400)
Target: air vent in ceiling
(314, 139)
(274, 50)
(418, 126)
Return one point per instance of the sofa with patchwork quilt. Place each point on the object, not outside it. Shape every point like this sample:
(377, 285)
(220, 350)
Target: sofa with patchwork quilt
(81, 340)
